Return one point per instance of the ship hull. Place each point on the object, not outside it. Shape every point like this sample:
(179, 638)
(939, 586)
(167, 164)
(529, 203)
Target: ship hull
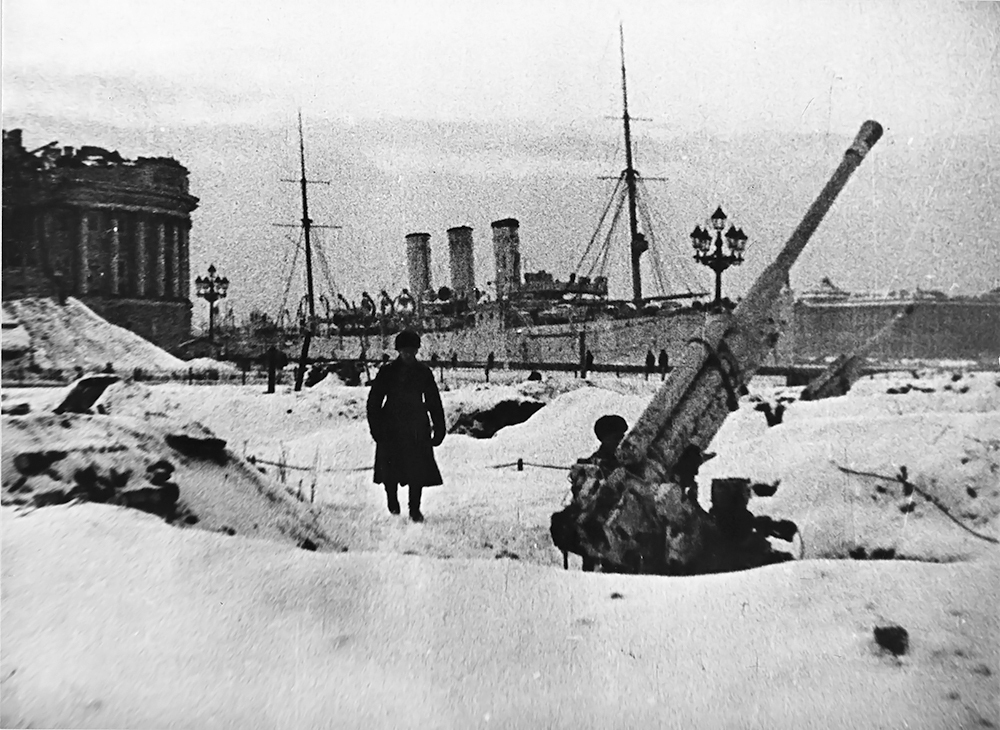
(623, 341)
(958, 329)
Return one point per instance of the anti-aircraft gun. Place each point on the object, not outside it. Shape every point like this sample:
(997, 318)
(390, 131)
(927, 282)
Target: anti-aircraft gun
(641, 514)
(845, 371)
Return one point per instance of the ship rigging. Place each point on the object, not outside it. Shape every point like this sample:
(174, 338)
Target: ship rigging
(629, 184)
(537, 300)
(308, 326)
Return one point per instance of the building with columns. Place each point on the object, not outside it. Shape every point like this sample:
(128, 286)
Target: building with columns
(112, 232)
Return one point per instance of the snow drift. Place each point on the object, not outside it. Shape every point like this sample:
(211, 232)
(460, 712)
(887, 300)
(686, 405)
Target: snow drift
(113, 618)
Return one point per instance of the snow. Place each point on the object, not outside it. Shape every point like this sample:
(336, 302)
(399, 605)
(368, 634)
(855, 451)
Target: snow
(72, 335)
(224, 493)
(112, 618)
(155, 627)
(204, 364)
(15, 338)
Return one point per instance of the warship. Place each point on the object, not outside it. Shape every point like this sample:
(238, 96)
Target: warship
(536, 320)
(532, 317)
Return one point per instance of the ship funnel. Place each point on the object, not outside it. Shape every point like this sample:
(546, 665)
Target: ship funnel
(463, 276)
(507, 252)
(418, 259)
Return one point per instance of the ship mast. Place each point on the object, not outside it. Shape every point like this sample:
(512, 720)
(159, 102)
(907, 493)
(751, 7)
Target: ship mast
(306, 227)
(638, 243)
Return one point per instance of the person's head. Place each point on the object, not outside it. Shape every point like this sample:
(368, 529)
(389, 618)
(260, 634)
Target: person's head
(610, 430)
(407, 343)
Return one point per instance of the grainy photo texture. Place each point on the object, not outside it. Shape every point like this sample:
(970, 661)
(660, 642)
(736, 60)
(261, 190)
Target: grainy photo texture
(503, 364)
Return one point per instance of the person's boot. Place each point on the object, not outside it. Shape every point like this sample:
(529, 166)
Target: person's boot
(415, 513)
(392, 500)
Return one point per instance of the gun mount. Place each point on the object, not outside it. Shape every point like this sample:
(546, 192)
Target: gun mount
(844, 372)
(639, 512)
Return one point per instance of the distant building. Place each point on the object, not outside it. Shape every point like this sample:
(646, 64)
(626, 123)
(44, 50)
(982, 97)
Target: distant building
(112, 232)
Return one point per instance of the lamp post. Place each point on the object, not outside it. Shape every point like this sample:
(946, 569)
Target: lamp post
(211, 288)
(718, 260)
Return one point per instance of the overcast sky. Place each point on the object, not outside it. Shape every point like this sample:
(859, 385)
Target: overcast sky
(716, 66)
(449, 85)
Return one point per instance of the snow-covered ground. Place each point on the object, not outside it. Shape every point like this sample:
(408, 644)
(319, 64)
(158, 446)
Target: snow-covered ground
(71, 337)
(112, 618)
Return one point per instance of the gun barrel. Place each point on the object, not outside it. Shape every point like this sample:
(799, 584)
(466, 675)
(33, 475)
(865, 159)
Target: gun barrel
(769, 283)
(884, 331)
(691, 406)
(838, 378)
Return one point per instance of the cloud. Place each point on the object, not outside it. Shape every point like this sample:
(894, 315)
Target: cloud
(719, 66)
(483, 150)
(129, 100)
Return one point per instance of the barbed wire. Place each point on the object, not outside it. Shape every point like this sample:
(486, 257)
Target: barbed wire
(909, 488)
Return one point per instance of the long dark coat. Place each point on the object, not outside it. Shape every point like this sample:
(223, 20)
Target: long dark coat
(401, 398)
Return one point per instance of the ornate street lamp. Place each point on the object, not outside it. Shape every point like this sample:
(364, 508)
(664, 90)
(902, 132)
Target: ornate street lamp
(211, 288)
(718, 259)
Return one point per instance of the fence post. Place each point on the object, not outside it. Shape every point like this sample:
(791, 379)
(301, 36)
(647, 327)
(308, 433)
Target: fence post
(282, 467)
(520, 464)
(315, 477)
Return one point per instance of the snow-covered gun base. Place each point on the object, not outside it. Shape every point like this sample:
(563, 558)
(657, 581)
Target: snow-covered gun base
(640, 513)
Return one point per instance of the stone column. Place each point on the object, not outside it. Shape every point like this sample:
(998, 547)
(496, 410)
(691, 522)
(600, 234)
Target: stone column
(83, 246)
(183, 245)
(178, 277)
(37, 258)
(116, 255)
(140, 255)
(161, 259)
(49, 256)
(167, 271)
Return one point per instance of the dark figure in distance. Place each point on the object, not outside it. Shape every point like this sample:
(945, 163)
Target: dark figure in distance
(664, 363)
(490, 361)
(402, 397)
(588, 363)
(650, 364)
(275, 360)
(60, 285)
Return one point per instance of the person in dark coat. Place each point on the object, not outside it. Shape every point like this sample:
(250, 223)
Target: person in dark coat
(490, 361)
(402, 397)
(650, 363)
(664, 363)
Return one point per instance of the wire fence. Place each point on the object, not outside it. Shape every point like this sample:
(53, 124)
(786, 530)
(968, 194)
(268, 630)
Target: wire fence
(283, 466)
(311, 473)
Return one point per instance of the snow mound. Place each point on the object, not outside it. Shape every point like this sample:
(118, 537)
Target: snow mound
(243, 415)
(201, 365)
(563, 431)
(217, 490)
(112, 619)
(946, 441)
(72, 335)
(15, 337)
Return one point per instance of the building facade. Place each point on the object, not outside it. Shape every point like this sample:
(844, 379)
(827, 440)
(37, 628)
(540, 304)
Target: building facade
(110, 231)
